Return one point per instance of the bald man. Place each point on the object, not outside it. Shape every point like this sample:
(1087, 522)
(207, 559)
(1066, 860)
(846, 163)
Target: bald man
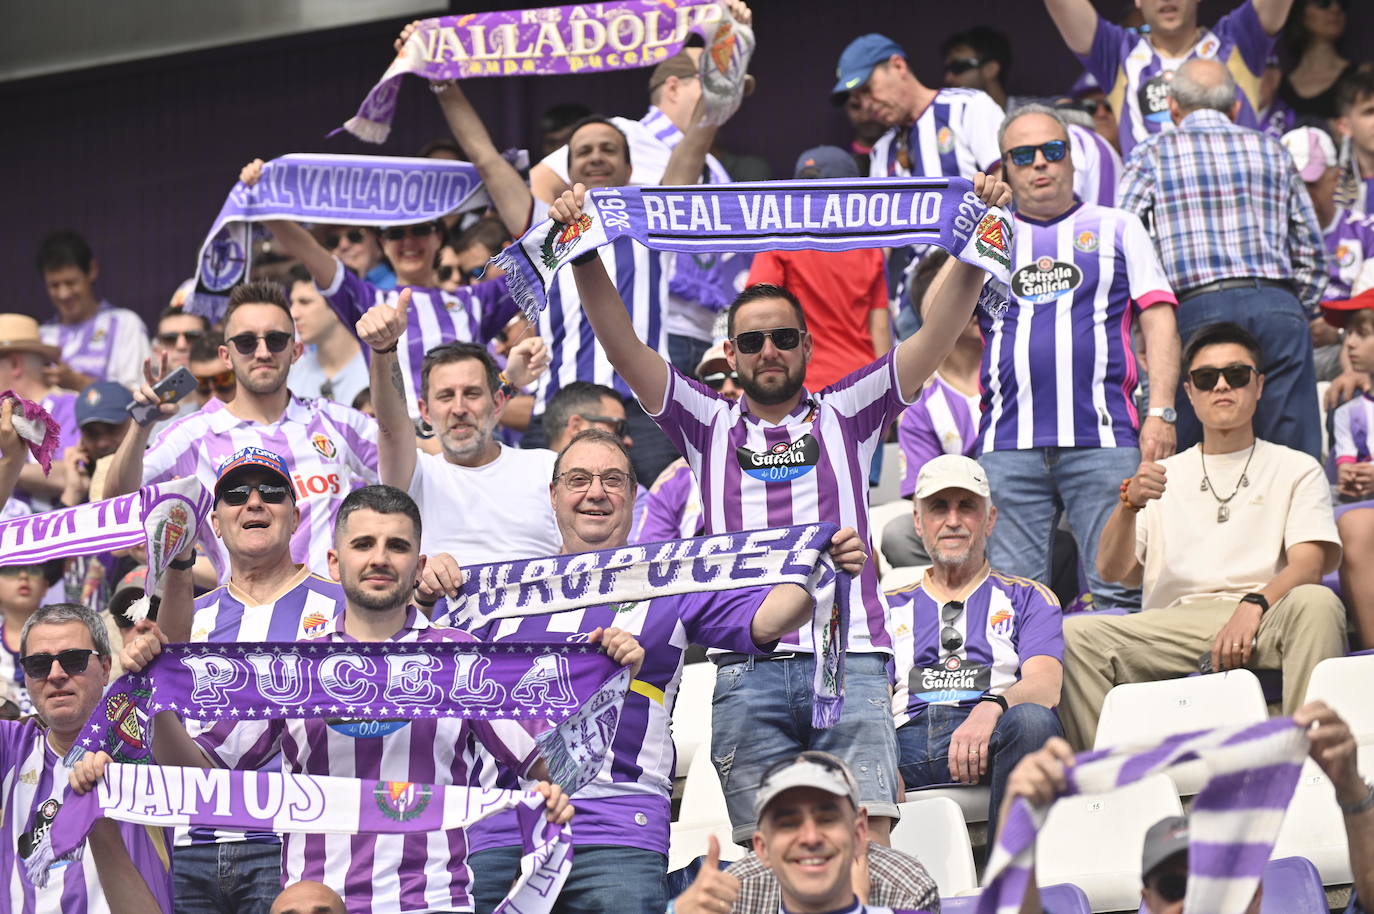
(307, 897)
(1255, 258)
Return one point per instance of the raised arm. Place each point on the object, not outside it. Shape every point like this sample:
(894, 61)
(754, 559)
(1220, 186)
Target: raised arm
(1076, 21)
(1160, 328)
(294, 240)
(13, 452)
(125, 473)
(381, 329)
(1116, 561)
(788, 607)
(1272, 14)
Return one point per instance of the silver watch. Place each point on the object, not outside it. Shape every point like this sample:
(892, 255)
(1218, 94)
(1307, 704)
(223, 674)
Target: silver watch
(1167, 413)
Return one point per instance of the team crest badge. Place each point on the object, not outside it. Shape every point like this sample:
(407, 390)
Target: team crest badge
(1086, 241)
(1344, 255)
(1001, 621)
(120, 710)
(723, 47)
(1209, 46)
(991, 238)
(313, 624)
(172, 529)
(944, 139)
(562, 239)
(401, 801)
(323, 445)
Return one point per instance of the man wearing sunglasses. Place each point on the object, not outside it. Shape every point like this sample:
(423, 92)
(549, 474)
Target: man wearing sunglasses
(214, 375)
(1138, 64)
(1229, 541)
(1058, 424)
(979, 654)
(783, 455)
(328, 448)
(66, 657)
(176, 337)
(979, 58)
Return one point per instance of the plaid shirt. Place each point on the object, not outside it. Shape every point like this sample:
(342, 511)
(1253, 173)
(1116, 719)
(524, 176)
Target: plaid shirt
(895, 880)
(1225, 202)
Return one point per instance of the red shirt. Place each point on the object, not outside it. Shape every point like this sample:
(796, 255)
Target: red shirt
(837, 291)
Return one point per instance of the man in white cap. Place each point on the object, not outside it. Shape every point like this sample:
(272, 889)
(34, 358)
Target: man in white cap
(979, 654)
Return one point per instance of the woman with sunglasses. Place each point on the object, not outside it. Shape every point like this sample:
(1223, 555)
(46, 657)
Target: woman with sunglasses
(1314, 35)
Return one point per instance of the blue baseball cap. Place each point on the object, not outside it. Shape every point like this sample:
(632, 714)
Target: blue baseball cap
(253, 458)
(858, 60)
(826, 162)
(103, 401)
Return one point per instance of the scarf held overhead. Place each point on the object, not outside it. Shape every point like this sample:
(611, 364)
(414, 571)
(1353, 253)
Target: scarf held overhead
(558, 40)
(823, 215)
(305, 804)
(783, 555)
(1234, 821)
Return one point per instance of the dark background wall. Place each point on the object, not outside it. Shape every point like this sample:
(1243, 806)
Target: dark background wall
(139, 156)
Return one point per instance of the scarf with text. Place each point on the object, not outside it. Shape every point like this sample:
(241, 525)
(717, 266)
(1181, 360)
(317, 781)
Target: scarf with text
(332, 190)
(306, 804)
(819, 215)
(558, 40)
(1234, 821)
(783, 555)
(164, 517)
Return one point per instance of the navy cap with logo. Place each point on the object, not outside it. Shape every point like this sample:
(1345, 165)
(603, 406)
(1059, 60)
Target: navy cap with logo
(103, 401)
(826, 162)
(858, 60)
(253, 458)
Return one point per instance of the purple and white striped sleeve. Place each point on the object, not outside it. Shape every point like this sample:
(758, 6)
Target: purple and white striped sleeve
(242, 745)
(349, 296)
(174, 452)
(870, 398)
(689, 410)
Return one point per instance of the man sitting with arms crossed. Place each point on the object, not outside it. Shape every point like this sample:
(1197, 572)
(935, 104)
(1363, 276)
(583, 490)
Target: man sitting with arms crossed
(1229, 541)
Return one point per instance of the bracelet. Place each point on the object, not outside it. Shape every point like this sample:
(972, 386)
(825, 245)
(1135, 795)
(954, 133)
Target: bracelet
(392, 348)
(1257, 599)
(582, 260)
(1130, 505)
(439, 85)
(988, 696)
(1363, 806)
(179, 565)
(507, 386)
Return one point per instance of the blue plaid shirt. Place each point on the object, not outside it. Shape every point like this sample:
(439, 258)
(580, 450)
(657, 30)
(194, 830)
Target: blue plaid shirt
(1225, 202)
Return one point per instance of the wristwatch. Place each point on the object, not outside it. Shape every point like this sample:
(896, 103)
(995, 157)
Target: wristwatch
(186, 565)
(1167, 413)
(1258, 599)
(988, 696)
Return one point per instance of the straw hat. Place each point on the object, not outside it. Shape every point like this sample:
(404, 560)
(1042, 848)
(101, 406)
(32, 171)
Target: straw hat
(19, 333)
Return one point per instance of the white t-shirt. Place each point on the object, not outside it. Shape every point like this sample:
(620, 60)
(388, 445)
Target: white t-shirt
(1190, 557)
(492, 513)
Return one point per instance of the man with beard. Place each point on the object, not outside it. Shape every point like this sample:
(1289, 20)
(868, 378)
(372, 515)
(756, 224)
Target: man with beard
(481, 499)
(329, 449)
(783, 455)
(376, 558)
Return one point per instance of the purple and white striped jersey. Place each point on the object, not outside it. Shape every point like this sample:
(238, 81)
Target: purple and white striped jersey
(305, 608)
(329, 448)
(379, 874)
(12, 677)
(1352, 426)
(671, 507)
(110, 346)
(1136, 78)
(62, 407)
(1350, 242)
(472, 314)
(1096, 166)
(942, 421)
(1058, 369)
(955, 136)
(33, 783)
(1006, 621)
(813, 466)
(628, 802)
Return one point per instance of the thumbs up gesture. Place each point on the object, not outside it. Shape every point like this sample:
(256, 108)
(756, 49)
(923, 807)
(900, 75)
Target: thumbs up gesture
(382, 325)
(714, 889)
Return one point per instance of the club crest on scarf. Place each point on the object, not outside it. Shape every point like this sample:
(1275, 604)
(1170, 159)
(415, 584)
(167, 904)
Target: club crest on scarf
(561, 239)
(401, 801)
(223, 261)
(991, 238)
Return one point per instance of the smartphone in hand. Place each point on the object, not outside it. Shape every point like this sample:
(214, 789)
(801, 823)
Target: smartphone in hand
(170, 389)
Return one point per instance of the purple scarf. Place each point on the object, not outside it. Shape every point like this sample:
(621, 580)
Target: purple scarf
(36, 427)
(557, 40)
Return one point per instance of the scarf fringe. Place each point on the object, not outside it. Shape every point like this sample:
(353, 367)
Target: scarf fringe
(519, 285)
(42, 860)
(367, 130)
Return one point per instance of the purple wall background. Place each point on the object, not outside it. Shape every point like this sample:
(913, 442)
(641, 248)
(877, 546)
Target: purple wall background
(139, 156)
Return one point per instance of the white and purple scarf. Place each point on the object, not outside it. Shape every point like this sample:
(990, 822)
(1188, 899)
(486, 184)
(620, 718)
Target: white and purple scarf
(1234, 821)
(560, 40)
(36, 427)
(820, 215)
(727, 561)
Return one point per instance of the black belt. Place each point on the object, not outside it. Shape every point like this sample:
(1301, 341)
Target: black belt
(732, 658)
(1221, 285)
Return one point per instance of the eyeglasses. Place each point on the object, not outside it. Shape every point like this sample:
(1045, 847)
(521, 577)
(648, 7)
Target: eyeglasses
(270, 493)
(960, 65)
(220, 382)
(1237, 376)
(617, 425)
(247, 343)
(751, 341)
(950, 638)
(581, 480)
(14, 571)
(73, 660)
(400, 232)
(1054, 150)
(716, 379)
(354, 236)
(1171, 886)
(172, 338)
(466, 277)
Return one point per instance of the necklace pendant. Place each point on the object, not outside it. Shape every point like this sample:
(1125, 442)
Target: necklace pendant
(1203, 487)
(1244, 480)
(1223, 514)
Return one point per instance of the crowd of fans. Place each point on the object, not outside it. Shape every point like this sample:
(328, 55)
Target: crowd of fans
(1126, 475)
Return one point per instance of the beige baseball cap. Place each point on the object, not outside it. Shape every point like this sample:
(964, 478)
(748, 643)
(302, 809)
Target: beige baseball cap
(952, 471)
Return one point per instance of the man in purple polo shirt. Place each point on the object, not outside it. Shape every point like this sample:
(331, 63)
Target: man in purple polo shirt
(780, 455)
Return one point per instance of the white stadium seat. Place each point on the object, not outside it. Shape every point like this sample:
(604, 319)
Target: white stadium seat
(898, 578)
(687, 842)
(692, 714)
(1314, 827)
(703, 800)
(878, 518)
(933, 831)
(1345, 683)
(972, 801)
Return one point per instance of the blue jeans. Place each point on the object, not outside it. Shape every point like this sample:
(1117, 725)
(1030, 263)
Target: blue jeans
(1032, 487)
(761, 712)
(604, 877)
(237, 878)
(685, 353)
(1287, 411)
(924, 744)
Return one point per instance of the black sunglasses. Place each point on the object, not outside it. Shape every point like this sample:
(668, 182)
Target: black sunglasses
(716, 379)
(1086, 105)
(466, 277)
(1171, 886)
(960, 65)
(1237, 376)
(191, 336)
(247, 343)
(751, 341)
(399, 232)
(1054, 150)
(271, 493)
(354, 236)
(617, 425)
(73, 660)
(14, 571)
(950, 639)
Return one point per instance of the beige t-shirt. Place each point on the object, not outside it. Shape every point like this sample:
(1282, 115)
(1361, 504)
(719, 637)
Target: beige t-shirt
(1189, 556)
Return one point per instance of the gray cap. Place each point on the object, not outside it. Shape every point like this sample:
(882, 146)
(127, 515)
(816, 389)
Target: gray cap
(1166, 838)
(820, 770)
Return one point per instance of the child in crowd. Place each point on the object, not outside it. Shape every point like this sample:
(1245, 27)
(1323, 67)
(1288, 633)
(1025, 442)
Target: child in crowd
(1353, 421)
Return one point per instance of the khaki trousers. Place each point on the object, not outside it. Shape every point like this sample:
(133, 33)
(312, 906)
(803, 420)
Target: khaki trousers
(1298, 632)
